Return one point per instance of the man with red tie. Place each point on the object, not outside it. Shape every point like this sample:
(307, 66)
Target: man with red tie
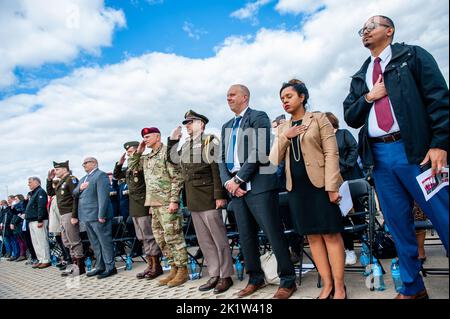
(400, 99)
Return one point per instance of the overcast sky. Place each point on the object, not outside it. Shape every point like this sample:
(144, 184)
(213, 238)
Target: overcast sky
(81, 77)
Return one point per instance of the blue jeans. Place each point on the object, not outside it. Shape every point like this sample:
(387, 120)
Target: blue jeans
(12, 246)
(397, 188)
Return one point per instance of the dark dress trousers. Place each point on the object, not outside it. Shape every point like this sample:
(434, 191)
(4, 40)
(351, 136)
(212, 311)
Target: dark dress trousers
(258, 208)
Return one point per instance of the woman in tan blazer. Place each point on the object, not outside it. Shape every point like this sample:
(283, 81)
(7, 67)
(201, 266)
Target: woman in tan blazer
(308, 146)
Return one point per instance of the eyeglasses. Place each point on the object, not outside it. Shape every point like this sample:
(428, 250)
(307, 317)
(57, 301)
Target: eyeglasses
(84, 163)
(371, 26)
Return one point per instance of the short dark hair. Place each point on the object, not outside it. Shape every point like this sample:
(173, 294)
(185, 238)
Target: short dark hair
(299, 87)
(333, 119)
(389, 22)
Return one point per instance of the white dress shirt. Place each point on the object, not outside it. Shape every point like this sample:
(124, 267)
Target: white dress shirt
(374, 130)
(237, 164)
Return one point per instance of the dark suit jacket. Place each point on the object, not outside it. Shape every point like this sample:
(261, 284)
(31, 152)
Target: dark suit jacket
(94, 202)
(253, 147)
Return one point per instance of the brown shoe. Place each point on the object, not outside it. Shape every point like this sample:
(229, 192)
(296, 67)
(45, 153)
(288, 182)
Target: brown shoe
(44, 265)
(79, 262)
(210, 284)
(155, 269)
(142, 275)
(181, 277)
(172, 274)
(223, 285)
(249, 289)
(420, 295)
(285, 293)
(36, 265)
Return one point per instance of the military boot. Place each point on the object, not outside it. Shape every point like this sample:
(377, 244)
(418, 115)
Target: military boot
(156, 269)
(147, 270)
(172, 274)
(80, 263)
(181, 277)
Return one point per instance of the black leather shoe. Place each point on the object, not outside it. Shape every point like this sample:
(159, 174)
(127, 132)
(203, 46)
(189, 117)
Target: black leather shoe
(107, 273)
(95, 272)
(210, 284)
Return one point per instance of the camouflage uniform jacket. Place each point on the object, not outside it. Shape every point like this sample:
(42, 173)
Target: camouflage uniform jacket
(163, 179)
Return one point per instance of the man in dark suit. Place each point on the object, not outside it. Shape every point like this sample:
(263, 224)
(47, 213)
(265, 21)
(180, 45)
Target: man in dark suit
(400, 99)
(95, 210)
(252, 183)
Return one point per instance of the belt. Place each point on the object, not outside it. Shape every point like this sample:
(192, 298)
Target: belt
(389, 138)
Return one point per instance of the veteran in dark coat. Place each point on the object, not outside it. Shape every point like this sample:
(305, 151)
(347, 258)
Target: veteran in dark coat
(140, 214)
(68, 208)
(205, 197)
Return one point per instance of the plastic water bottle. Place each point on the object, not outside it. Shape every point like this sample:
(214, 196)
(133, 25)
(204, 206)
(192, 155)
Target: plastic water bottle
(378, 277)
(364, 259)
(193, 267)
(88, 264)
(239, 269)
(395, 272)
(54, 260)
(165, 263)
(128, 263)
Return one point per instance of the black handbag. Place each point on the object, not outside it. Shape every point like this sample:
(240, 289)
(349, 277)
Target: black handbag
(384, 246)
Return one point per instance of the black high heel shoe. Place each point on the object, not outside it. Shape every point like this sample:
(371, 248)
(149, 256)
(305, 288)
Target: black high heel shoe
(345, 291)
(330, 295)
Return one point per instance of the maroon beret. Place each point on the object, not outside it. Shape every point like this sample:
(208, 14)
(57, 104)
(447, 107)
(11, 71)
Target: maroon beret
(149, 130)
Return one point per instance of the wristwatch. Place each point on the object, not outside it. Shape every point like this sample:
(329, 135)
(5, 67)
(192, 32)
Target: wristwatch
(237, 180)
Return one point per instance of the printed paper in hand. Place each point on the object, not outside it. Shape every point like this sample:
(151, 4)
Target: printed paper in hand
(346, 202)
(431, 185)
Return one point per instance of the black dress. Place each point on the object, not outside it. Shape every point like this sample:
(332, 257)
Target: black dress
(311, 209)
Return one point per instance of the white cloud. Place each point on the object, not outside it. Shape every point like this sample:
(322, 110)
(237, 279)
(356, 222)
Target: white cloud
(298, 6)
(192, 31)
(250, 11)
(95, 110)
(52, 31)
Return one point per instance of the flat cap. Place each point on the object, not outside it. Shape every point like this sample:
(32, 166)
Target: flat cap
(149, 130)
(62, 164)
(191, 115)
(127, 145)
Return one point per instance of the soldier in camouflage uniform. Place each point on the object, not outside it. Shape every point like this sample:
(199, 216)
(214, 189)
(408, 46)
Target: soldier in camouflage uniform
(205, 197)
(139, 213)
(163, 182)
(68, 208)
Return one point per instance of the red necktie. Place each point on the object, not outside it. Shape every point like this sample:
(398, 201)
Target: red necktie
(382, 108)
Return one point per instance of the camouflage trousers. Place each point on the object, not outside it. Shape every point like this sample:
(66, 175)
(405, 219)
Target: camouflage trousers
(168, 231)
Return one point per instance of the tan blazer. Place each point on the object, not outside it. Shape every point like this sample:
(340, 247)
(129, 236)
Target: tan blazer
(319, 151)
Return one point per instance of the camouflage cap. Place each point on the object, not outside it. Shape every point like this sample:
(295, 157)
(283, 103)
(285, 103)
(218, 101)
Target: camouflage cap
(127, 145)
(62, 164)
(191, 115)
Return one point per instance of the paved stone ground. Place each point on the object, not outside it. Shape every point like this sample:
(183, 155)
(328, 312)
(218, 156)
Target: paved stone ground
(20, 281)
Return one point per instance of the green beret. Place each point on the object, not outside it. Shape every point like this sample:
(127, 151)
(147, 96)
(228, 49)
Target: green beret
(127, 145)
(59, 165)
(191, 115)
